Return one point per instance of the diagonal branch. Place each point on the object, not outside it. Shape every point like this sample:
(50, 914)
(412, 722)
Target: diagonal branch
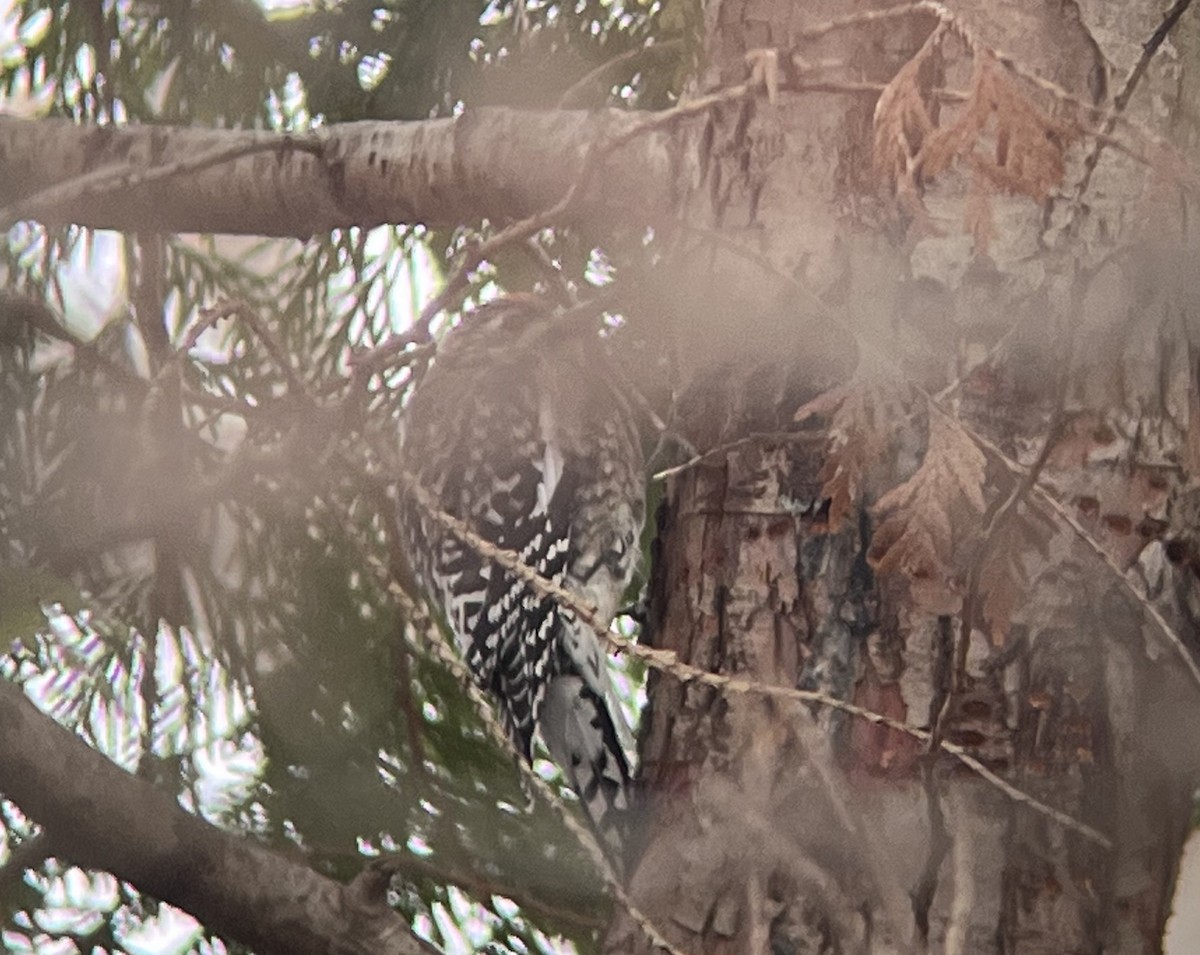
(1051, 506)
(123, 177)
(667, 661)
(450, 659)
(97, 815)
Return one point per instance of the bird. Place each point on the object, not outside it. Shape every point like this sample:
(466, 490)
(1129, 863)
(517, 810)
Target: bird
(517, 430)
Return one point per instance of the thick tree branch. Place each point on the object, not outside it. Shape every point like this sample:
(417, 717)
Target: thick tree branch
(100, 816)
(499, 164)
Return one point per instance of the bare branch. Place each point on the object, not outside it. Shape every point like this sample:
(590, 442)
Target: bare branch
(1120, 101)
(105, 818)
(439, 172)
(579, 89)
(1051, 506)
(124, 177)
(415, 613)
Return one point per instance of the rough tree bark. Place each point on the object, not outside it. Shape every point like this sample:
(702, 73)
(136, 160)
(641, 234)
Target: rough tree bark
(777, 827)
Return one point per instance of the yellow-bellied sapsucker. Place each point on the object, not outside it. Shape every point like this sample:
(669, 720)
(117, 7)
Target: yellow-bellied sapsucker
(517, 431)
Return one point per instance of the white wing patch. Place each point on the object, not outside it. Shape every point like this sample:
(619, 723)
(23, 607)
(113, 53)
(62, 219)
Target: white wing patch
(552, 458)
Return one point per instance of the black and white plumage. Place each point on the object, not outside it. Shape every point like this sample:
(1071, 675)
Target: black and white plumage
(516, 430)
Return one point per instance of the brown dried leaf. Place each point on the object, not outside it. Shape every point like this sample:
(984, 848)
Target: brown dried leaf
(1005, 578)
(860, 435)
(925, 519)
(904, 119)
(1028, 147)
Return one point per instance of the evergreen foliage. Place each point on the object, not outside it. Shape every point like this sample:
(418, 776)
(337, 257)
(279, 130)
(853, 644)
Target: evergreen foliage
(187, 534)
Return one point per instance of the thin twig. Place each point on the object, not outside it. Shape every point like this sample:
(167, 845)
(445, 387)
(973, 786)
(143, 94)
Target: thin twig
(1020, 493)
(1056, 509)
(450, 659)
(999, 519)
(667, 661)
(275, 351)
(701, 456)
(476, 884)
(585, 82)
(1120, 101)
(993, 353)
(480, 252)
(206, 318)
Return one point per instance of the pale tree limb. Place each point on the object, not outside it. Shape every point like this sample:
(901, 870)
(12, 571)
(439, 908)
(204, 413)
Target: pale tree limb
(98, 816)
(123, 178)
(440, 172)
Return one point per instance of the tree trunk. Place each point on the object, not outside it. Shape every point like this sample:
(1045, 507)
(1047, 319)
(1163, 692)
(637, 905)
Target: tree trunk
(888, 551)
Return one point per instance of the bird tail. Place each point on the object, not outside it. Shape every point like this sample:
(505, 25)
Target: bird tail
(583, 738)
